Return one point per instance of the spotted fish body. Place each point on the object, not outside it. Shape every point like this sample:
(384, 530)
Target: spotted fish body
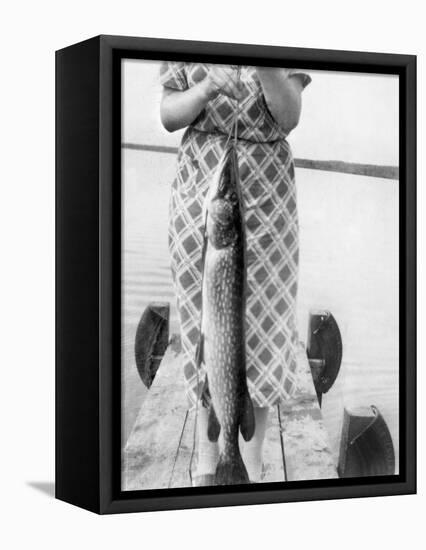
(223, 320)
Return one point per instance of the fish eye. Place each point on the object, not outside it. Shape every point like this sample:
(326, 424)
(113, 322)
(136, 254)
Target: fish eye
(233, 196)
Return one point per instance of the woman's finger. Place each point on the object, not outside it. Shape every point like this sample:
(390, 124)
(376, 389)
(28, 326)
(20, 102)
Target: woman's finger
(231, 89)
(228, 75)
(225, 81)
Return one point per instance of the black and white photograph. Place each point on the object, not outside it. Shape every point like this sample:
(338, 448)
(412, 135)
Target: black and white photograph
(260, 289)
(212, 275)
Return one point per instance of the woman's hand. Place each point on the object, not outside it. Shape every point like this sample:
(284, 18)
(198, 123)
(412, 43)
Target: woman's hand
(221, 80)
(180, 108)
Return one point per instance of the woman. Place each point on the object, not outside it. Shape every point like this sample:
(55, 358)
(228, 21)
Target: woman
(203, 98)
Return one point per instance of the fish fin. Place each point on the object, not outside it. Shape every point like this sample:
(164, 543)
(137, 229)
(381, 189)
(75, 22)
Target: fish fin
(247, 421)
(213, 426)
(205, 394)
(199, 352)
(231, 470)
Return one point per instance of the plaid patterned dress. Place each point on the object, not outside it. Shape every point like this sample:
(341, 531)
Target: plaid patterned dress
(268, 188)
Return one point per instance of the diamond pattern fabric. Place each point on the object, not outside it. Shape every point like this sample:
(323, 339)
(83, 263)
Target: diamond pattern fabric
(266, 170)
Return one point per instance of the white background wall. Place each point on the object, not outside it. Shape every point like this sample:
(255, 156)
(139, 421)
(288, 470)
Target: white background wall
(30, 32)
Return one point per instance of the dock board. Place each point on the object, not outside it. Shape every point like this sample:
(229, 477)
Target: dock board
(305, 440)
(158, 451)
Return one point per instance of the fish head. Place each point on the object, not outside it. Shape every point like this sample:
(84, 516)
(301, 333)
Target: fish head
(223, 207)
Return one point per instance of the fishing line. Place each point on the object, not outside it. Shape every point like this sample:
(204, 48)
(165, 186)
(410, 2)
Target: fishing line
(177, 451)
(282, 442)
(194, 433)
(234, 126)
(237, 108)
(233, 131)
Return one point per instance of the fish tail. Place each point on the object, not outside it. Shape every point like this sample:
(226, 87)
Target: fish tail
(231, 470)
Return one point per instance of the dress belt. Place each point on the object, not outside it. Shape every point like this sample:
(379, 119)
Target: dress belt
(219, 134)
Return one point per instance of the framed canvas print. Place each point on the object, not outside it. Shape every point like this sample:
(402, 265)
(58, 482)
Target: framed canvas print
(235, 290)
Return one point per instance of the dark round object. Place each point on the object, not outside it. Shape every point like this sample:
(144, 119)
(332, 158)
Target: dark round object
(152, 336)
(324, 343)
(366, 447)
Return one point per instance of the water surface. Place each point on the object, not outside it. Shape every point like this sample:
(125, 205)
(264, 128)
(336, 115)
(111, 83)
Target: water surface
(348, 264)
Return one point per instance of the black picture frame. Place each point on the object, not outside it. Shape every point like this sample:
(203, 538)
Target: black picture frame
(88, 241)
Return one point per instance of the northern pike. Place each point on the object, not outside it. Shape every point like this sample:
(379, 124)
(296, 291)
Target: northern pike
(222, 339)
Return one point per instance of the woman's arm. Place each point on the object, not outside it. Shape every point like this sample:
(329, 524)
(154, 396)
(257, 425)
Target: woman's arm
(283, 96)
(179, 108)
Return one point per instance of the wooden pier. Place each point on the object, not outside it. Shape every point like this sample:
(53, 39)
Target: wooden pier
(158, 450)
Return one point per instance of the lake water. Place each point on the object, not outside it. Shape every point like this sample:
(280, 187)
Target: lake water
(348, 265)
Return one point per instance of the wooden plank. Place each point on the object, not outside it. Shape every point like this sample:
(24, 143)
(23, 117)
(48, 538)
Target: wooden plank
(273, 463)
(273, 459)
(151, 449)
(180, 476)
(306, 447)
(159, 449)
